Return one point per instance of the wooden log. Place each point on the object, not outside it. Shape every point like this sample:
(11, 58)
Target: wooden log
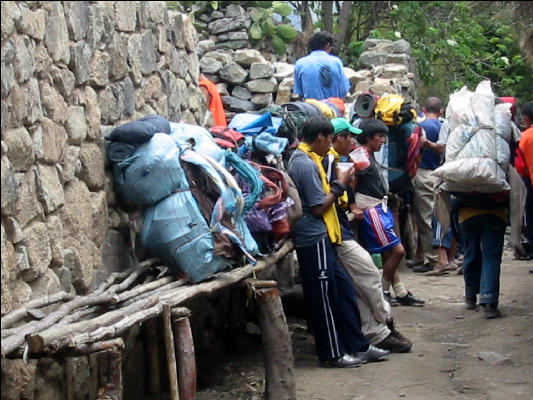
(12, 342)
(151, 341)
(185, 354)
(109, 375)
(93, 376)
(223, 279)
(173, 297)
(78, 315)
(277, 346)
(81, 350)
(134, 271)
(171, 354)
(51, 338)
(159, 292)
(135, 292)
(16, 315)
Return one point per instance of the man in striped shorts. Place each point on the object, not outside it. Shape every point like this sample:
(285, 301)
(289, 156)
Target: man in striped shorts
(376, 229)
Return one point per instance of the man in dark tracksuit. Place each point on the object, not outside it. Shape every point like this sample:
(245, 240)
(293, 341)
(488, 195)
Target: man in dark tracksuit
(328, 290)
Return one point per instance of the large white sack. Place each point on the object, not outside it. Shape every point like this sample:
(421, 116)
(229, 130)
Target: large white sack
(477, 150)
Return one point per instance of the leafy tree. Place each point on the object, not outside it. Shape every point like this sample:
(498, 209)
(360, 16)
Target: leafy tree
(461, 43)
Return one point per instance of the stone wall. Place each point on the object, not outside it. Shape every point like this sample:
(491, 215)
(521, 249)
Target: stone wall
(70, 70)
(387, 67)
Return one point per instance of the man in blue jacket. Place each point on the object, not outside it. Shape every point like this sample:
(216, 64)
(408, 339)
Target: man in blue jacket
(320, 75)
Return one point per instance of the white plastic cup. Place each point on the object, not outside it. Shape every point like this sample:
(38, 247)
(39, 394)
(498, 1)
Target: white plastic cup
(344, 166)
(360, 158)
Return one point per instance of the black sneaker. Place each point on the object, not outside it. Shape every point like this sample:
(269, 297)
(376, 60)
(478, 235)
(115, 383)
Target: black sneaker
(395, 332)
(423, 268)
(392, 301)
(346, 361)
(491, 311)
(470, 302)
(373, 354)
(394, 345)
(410, 300)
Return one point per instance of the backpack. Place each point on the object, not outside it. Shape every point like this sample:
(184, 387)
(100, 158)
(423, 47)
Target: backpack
(293, 120)
(226, 138)
(393, 110)
(403, 156)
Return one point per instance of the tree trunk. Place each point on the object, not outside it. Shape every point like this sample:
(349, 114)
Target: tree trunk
(277, 346)
(185, 355)
(327, 15)
(345, 13)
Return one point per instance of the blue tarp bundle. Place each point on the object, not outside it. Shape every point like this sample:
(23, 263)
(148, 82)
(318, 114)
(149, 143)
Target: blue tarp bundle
(175, 231)
(253, 124)
(152, 173)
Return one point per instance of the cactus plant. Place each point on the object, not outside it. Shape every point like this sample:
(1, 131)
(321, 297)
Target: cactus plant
(263, 26)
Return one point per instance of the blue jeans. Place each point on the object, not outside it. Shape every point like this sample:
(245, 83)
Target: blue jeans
(482, 237)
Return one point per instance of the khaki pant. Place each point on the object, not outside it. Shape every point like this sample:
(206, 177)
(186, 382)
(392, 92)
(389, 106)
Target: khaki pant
(373, 307)
(423, 210)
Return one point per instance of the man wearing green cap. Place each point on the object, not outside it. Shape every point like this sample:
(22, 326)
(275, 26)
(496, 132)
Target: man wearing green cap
(376, 320)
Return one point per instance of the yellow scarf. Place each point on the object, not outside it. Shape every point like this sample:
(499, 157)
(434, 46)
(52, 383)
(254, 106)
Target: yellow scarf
(330, 216)
(343, 200)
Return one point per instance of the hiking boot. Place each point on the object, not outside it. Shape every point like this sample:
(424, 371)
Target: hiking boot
(392, 301)
(423, 268)
(470, 302)
(410, 300)
(373, 354)
(394, 345)
(491, 311)
(395, 332)
(346, 361)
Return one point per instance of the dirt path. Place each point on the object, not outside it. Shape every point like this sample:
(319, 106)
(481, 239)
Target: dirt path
(457, 354)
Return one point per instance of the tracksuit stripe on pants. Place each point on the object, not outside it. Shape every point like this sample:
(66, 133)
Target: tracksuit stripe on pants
(331, 301)
(328, 315)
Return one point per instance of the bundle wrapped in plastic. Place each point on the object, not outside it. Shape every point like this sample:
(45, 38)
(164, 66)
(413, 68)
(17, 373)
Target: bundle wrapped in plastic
(477, 150)
(177, 232)
(267, 143)
(199, 138)
(151, 173)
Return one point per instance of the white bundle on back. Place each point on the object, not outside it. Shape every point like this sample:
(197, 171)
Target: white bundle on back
(477, 151)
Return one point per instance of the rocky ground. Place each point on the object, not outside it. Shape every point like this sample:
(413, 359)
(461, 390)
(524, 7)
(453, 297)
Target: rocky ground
(457, 354)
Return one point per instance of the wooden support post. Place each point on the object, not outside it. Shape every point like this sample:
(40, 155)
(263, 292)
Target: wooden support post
(70, 378)
(185, 355)
(109, 375)
(171, 354)
(152, 348)
(277, 346)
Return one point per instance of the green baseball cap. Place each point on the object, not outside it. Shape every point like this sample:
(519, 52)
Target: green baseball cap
(342, 124)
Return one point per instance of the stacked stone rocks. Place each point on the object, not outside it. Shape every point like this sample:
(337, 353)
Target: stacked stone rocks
(387, 67)
(248, 78)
